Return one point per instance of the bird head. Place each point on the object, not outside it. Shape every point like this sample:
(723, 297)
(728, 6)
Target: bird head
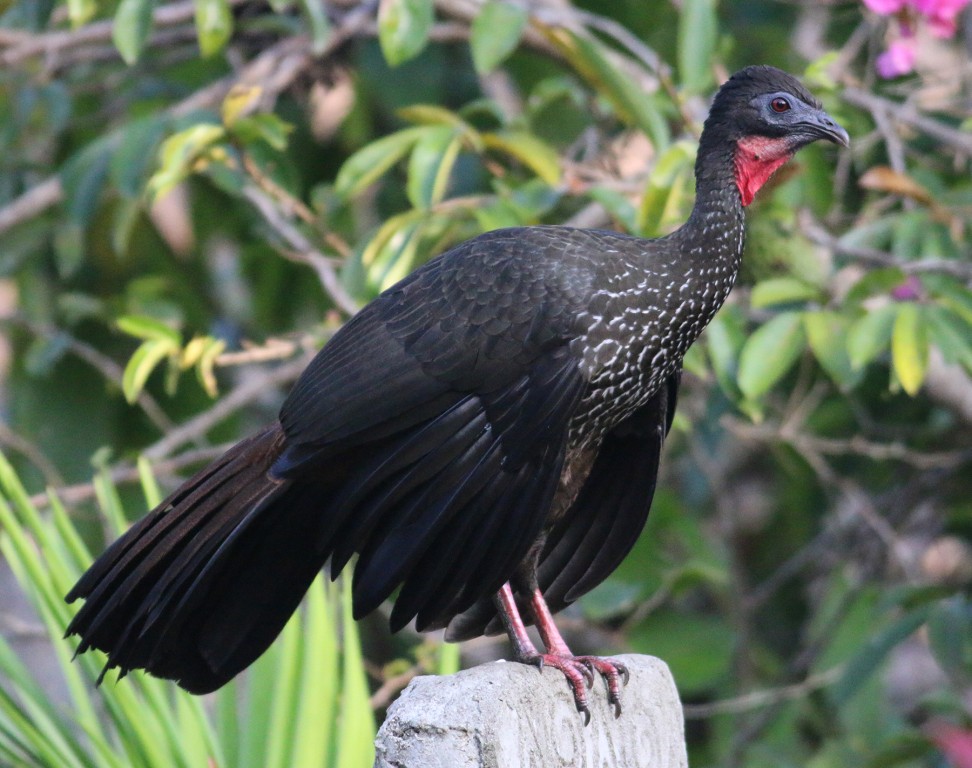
(764, 115)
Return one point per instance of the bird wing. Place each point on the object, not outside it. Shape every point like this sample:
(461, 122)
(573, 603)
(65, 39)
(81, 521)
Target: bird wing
(448, 400)
(610, 511)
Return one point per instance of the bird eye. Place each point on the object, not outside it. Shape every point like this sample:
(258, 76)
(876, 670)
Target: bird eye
(779, 104)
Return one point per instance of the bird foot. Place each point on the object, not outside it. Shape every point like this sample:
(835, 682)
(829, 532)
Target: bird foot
(580, 671)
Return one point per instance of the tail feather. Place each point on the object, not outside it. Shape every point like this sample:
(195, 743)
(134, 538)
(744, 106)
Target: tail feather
(185, 594)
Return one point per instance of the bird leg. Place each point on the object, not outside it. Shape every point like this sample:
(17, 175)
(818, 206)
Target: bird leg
(579, 670)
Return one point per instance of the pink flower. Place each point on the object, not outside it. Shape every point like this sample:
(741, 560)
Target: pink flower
(940, 14)
(954, 742)
(885, 7)
(909, 290)
(898, 60)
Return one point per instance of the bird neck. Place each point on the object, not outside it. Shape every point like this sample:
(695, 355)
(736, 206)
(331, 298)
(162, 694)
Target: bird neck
(716, 227)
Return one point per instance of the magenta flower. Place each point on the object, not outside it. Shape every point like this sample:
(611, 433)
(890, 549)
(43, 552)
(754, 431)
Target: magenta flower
(885, 7)
(941, 15)
(909, 290)
(955, 742)
(898, 59)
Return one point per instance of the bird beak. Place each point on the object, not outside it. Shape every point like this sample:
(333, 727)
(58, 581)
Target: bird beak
(820, 125)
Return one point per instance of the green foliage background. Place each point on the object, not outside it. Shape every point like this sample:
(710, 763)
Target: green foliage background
(194, 195)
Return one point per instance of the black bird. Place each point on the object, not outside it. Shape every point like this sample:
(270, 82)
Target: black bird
(484, 436)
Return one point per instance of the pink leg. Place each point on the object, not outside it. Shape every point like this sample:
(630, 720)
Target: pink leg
(613, 672)
(579, 670)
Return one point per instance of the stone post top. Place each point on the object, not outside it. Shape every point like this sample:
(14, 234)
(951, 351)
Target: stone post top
(510, 715)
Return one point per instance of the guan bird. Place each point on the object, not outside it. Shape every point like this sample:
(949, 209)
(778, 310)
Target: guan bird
(484, 436)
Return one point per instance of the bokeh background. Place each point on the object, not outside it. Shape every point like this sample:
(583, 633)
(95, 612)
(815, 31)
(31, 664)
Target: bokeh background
(195, 194)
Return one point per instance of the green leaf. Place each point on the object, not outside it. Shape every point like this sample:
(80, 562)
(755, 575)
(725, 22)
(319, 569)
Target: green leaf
(866, 661)
(83, 178)
(876, 281)
(150, 487)
(356, 740)
(782, 290)
(870, 335)
(430, 166)
(818, 75)
(397, 256)
(951, 294)
(371, 161)
(724, 337)
(432, 114)
(143, 362)
(180, 152)
(591, 61)
(320, 27)
(319, 675)
(207, 361)
(697, 647)
(495, 33)
(769, 353)
(136, 154)
(131, 28)
(697, 30)
(69, 247)
(265, 126)
(952, 334)
(403, 28)
(534, 153)
(240, 101)
(80, 12)
(668, 190)
(214, 25)
(127, 214)
(827, 334)
(618, 206)
(909, 347)
(148, 328)
(611, 598)
(950, 635)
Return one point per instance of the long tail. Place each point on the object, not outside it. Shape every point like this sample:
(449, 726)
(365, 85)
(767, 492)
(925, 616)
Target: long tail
(199, 588)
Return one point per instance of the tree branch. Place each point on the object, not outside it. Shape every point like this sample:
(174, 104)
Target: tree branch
(909, 115)
(303, 251)
(242, 395)
(767, 697)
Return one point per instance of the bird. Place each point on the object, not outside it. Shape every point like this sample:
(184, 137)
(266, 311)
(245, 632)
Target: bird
(482, 439)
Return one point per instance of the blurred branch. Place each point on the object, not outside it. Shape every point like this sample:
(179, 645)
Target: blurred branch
(18, 47)
(272, 349)
(950, 386)
(107, 367)
(817, 234)
(14, 627)
(393, 685)
(767, 697)
(127, 473)
(861, 505)
(909, 115)
(303, 251)
(239, 397)
(32, 453)
(857, 445)
(274, 70)
(32, 203)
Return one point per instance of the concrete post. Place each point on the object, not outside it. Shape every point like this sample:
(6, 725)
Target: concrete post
(509, 715)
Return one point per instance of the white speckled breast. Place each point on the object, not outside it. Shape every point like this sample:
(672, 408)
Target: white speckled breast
(650, 309)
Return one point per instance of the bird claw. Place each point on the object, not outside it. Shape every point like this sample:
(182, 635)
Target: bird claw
(615, 676)
(616, 704)
(580, 672)
(585, 713)
(587, 669)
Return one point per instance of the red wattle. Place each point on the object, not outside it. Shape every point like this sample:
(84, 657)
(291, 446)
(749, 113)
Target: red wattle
(757, 158)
